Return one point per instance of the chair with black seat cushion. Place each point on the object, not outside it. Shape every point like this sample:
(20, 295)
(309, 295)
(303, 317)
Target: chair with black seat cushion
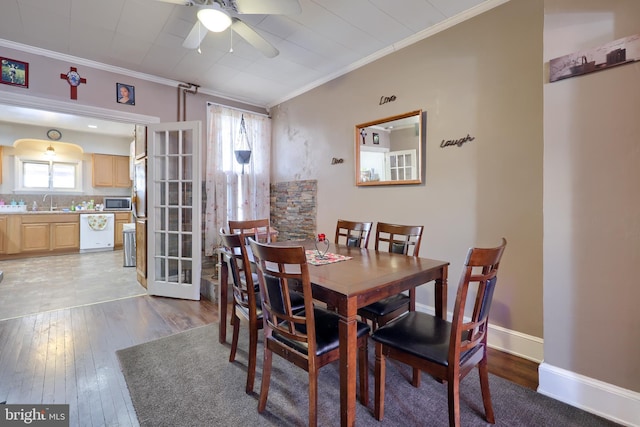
(400, 239)
(258, 229)
(246, 299)
(353, 233)
(309, 339)
(446, 350)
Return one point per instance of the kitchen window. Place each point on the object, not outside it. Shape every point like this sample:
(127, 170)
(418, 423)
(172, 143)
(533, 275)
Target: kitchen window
(43, 175)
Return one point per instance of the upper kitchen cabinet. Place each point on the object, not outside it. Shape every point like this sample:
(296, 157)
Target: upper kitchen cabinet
(111, 171)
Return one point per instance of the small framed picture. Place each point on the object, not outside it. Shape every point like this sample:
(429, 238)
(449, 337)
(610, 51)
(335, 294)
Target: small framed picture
(125, 94)
(376, 138)
(14, 72)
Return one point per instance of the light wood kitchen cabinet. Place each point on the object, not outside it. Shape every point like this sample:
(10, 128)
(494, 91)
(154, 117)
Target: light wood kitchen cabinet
(47, 233)
(35, 237)
(9, 234)
(3, 234)
(110, 171)
(121, 218)
(141, 251)
(65, 236)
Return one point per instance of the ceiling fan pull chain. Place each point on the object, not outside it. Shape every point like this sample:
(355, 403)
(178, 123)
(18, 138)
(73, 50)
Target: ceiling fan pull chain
(199, 38)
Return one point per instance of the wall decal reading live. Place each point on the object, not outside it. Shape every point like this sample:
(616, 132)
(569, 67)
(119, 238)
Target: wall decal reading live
(385, 99)
(457, 142)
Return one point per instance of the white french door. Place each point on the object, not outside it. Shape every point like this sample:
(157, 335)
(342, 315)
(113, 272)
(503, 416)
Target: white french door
(174, 210)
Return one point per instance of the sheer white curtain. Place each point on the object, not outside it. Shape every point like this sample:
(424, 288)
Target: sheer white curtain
(230, 193)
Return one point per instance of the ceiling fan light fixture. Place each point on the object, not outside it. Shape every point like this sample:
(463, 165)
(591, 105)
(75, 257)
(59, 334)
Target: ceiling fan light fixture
(214, 20)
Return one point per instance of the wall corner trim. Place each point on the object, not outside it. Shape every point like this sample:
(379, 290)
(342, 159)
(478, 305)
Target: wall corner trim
(603, 399)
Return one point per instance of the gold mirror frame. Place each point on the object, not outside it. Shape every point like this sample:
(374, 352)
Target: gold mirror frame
(390, 151)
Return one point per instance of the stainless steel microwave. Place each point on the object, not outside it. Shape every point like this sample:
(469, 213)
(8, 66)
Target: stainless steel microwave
(117, 203)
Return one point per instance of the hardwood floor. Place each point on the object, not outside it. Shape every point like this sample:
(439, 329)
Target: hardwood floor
(68, 355)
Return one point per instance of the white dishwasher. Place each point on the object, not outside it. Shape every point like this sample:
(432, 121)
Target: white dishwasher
(96, 232)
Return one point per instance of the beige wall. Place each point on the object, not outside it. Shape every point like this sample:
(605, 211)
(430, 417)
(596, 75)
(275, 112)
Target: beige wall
(483, 78)
(592, 198)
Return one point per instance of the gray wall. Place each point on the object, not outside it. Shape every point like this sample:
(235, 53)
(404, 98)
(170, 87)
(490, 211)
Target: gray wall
(591, 199)
(482, 78)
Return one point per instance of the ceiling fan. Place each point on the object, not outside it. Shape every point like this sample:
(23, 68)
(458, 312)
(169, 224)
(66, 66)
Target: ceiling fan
(218, 15)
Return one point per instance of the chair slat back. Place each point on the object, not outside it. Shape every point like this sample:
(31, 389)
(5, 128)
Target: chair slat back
(258, 229)
(481, 268)
(244, 290)
(353, 233)
(400, 239)
(279, 269)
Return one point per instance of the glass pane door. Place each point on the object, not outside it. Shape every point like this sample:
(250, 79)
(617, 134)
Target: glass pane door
(174, 210)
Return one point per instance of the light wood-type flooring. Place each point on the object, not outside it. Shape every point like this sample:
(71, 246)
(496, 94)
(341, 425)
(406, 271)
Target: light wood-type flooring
(67, 354)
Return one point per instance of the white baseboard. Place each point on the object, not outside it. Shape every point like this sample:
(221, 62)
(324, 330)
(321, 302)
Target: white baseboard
(608, 401)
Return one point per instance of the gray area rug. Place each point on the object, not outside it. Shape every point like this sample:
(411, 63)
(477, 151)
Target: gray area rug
(186, 380)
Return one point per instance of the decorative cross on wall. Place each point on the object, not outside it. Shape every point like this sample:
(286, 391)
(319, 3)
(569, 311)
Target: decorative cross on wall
(363, 133)
(74, 80)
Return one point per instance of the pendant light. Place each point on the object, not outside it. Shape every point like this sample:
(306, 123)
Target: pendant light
(50, 152)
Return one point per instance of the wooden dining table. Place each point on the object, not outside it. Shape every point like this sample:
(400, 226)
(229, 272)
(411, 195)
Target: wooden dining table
(368, 276)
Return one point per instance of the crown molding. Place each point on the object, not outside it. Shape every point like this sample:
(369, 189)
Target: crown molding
(117, 70)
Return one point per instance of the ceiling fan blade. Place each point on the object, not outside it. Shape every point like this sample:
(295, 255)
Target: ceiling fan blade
(254, 39)
(268, 7)
(195, 37)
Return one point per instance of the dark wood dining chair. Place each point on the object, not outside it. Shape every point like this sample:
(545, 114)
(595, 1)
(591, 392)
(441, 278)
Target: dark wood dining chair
(400, 239)
(246, 300)
(446, 350)
(309, 339)
(353, 233)
(259, 229)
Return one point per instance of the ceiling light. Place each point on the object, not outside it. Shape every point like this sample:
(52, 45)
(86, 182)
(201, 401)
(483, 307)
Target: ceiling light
(50, 152)
(214, 19)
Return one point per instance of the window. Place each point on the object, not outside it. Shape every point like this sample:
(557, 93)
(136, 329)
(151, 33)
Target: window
(43, 175)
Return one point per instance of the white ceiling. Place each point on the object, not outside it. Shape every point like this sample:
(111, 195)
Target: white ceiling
(327, 39)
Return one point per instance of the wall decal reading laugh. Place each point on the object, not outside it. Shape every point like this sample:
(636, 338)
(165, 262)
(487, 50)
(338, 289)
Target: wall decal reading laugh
(458, 142)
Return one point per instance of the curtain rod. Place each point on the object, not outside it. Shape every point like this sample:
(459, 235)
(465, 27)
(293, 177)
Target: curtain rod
(238, 109)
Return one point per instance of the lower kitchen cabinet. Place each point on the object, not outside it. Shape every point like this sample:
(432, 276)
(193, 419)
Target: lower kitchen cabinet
(65, 236)
(36, 237)
(121, 218)
(54, 232)
(4, 239)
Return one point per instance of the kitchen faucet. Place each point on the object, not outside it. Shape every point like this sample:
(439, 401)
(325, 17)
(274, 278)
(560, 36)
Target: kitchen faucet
(50, 201)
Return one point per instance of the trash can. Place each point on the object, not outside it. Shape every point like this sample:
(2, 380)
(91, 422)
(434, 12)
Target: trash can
(129, 244)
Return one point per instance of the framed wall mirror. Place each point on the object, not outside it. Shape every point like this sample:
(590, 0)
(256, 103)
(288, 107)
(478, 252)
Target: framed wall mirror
(390, 151)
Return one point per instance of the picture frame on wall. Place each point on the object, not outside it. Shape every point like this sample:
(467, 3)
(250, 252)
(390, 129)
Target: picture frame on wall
(125, 94)
(15, 73)
(376, 138)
